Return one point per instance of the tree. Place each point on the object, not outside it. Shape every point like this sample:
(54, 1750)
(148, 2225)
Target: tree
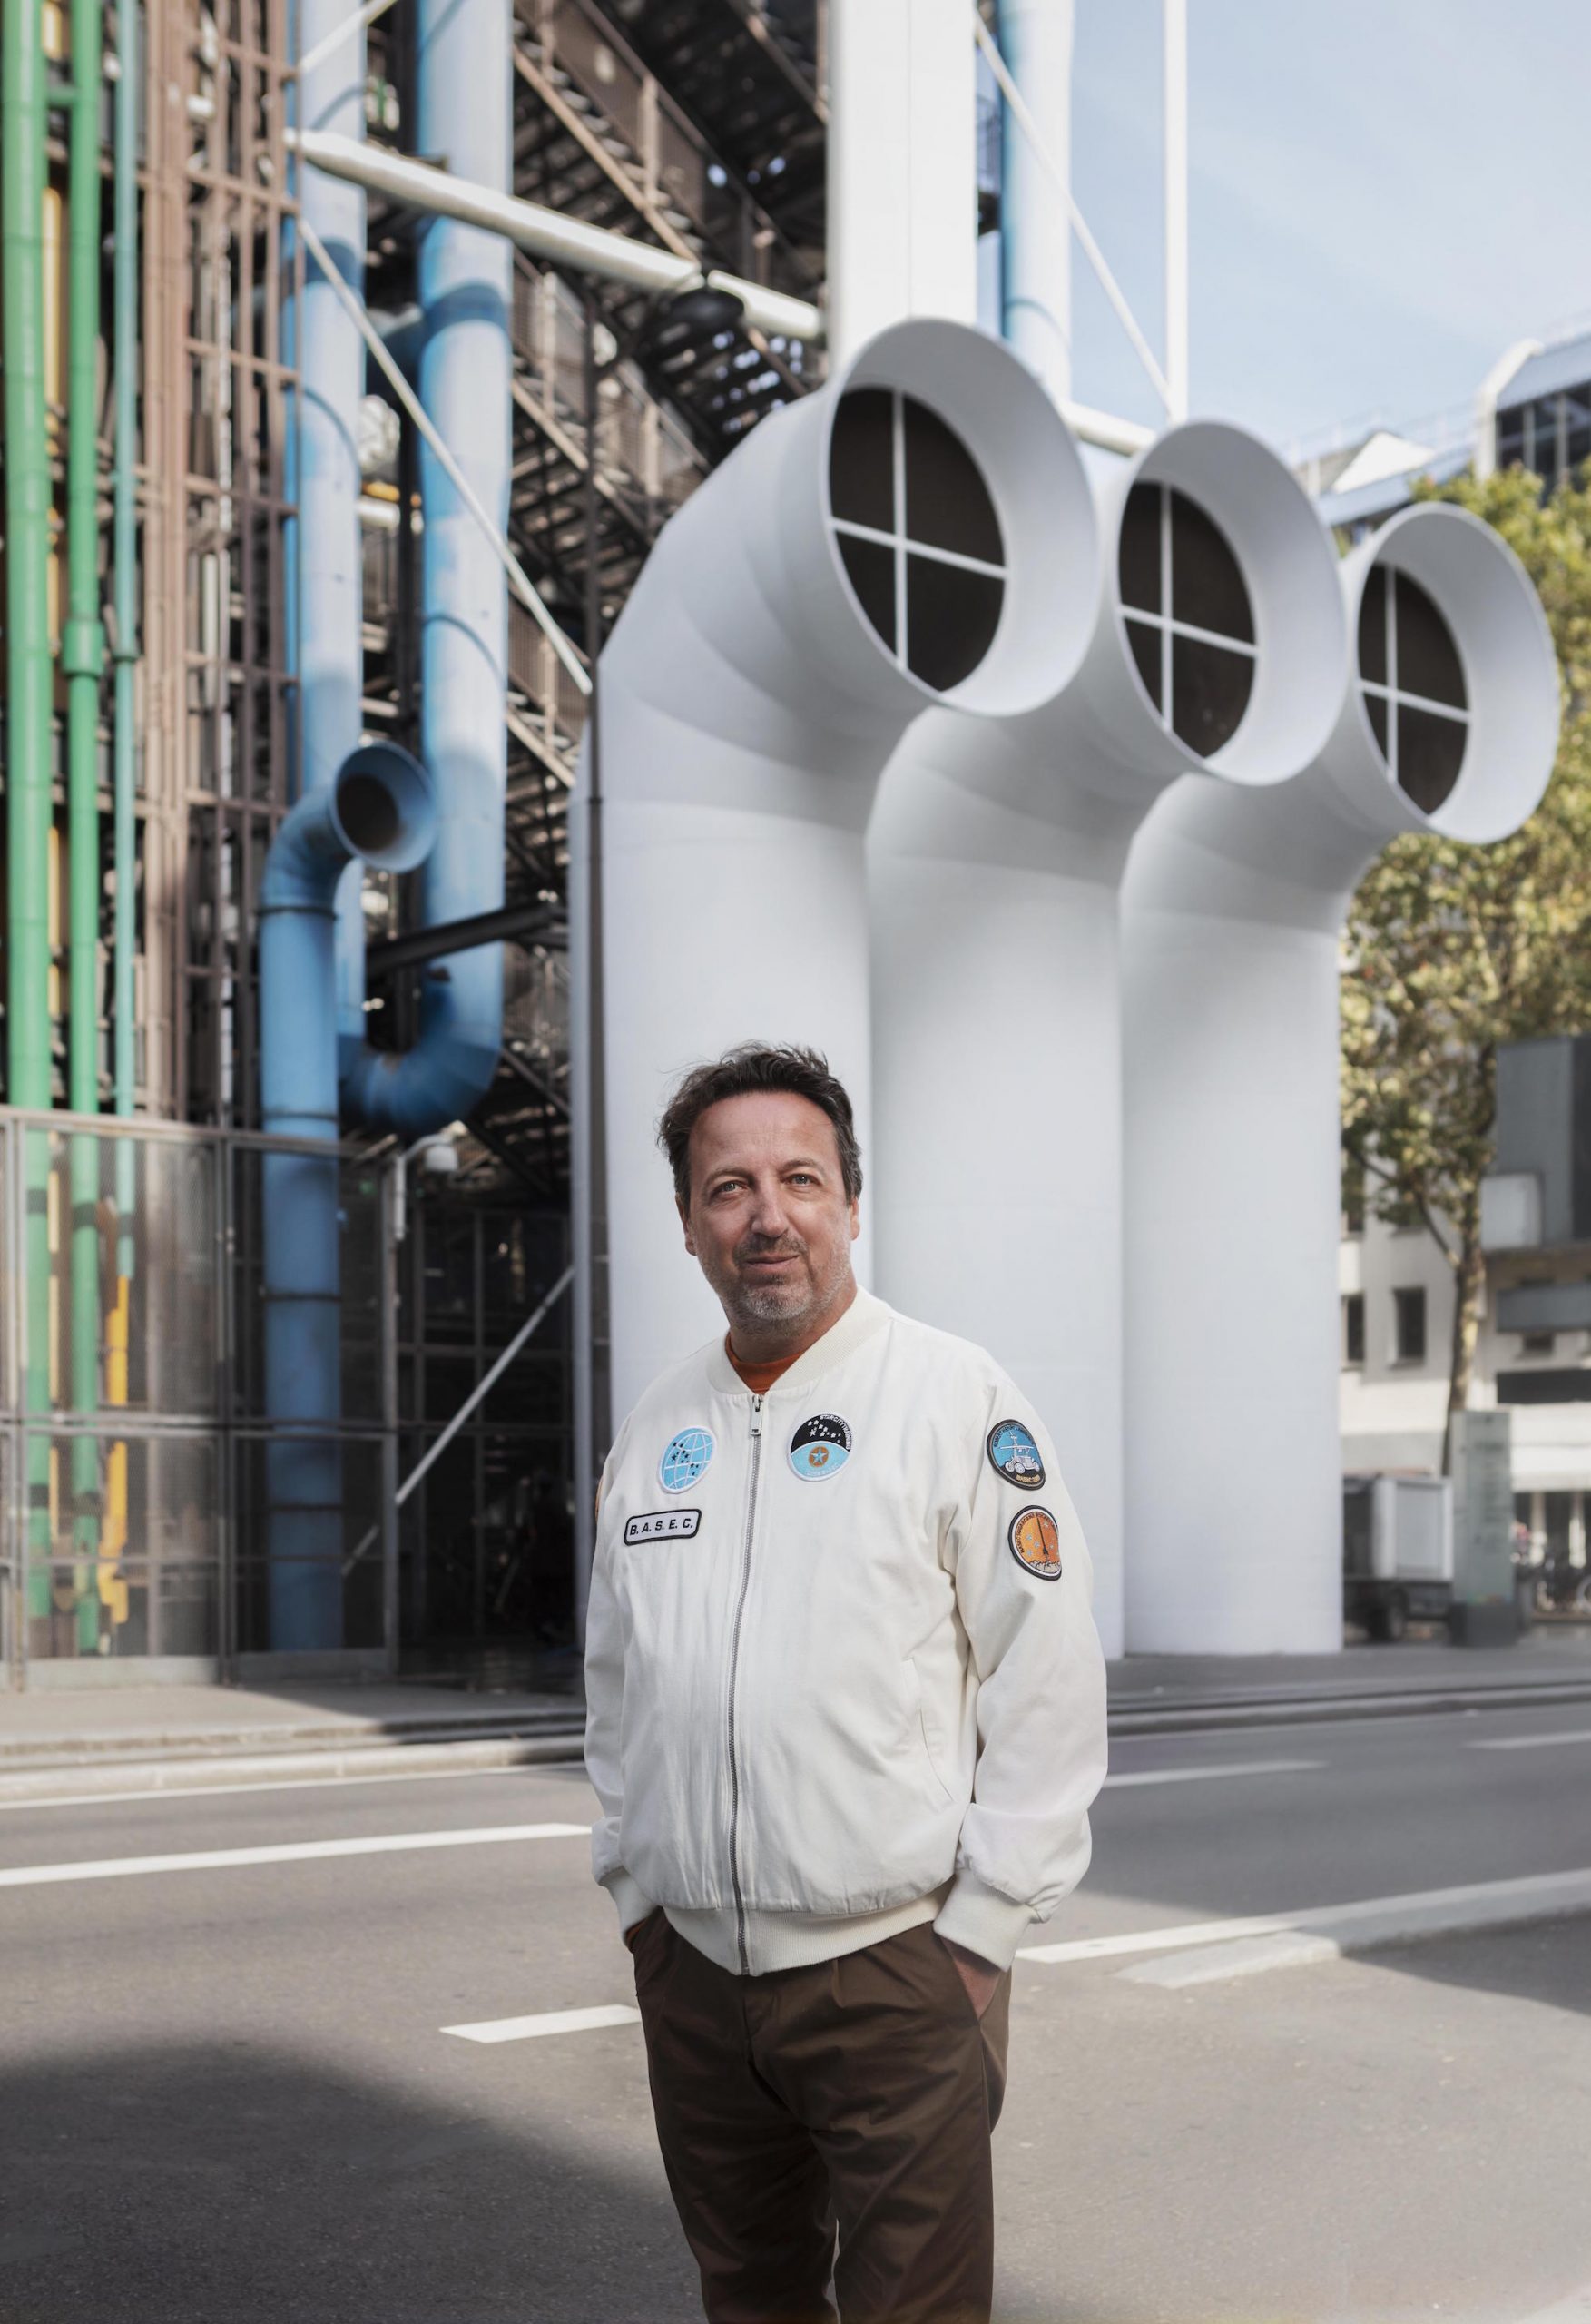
(1449, 950)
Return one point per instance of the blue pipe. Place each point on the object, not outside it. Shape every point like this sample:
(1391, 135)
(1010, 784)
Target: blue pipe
(327, 609)
(466, 286)
(378, 808)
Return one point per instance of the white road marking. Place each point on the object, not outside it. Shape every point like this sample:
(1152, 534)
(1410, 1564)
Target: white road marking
(555, 2021)
(123, 1867)
(1530, 1742)
(1206, 1775)
(1378, 1920)
(1425, 1912)
(290, 1783)
(1575, 2310)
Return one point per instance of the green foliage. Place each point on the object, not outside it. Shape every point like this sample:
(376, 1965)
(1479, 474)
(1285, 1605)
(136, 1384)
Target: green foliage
(1449, 950)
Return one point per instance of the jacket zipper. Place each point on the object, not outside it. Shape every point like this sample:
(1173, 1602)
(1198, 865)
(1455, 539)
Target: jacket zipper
(734, 1672)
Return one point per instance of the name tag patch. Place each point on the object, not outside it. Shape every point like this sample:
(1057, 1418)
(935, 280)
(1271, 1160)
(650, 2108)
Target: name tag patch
(663, 1524)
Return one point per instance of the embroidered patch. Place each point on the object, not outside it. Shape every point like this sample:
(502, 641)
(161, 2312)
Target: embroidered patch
(685, 1457)
(663, 1524)
(1036, 1543)
(1014, 1455)
(821, 1446)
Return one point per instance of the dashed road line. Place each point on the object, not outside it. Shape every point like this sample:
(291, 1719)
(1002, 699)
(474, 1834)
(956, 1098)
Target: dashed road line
(553, 2020)
(123, 1867)
(1207, 1774)
(1530, 1742)
(1205, 1951)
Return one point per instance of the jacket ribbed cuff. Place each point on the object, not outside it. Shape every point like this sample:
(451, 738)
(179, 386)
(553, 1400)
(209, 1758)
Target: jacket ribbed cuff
(630, 1898)
(987, 1922)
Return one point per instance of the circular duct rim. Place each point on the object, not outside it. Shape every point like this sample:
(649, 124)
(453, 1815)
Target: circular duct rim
(1033, 473)
(384, 805)
(1285, 557)
(1489, 604)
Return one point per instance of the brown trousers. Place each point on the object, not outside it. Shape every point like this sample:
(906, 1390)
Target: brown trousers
(857, 2095)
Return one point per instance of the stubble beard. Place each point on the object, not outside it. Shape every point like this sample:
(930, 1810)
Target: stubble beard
(792, 1303)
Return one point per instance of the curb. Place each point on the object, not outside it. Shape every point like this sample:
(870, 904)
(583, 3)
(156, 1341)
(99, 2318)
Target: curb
(229, 1742)
(1308, 1710)
(112, 1766)
(222, 1771)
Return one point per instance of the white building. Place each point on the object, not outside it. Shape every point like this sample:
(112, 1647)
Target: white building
(1534, 1350)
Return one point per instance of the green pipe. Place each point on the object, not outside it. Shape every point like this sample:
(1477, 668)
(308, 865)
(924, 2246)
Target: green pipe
(83, 639)
(82, 660)
(28, 688)
(124, 836)
(124, 567)
(27, 537)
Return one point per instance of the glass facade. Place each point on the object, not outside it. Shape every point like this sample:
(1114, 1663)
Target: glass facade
(136, 1451)
(1551, 435)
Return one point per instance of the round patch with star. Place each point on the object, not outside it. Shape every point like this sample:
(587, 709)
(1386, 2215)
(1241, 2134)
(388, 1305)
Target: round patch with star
(1036, 1543)
(820, 1447)
(1014, 1455)
(684, 1458)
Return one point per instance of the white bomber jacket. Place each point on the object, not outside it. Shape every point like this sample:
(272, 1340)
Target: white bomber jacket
(842, 1673)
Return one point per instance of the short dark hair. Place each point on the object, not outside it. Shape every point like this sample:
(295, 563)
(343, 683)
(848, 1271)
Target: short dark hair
(737, 1073)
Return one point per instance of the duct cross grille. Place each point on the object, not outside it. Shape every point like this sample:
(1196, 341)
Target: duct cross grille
(1189, 620)
(918, 534)
(1413, 681)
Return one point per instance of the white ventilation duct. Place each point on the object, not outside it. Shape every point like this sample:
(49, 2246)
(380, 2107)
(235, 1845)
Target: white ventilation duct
(908, 535)
(994, 860)
(1233, 913)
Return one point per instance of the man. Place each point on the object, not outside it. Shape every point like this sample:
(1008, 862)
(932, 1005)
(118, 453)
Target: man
(846, 1719)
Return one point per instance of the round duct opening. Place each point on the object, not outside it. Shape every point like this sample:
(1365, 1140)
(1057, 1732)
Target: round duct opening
(1228, 632)
(960, 518)
(1189, 618)
(1412, 679)
(1457, 680)
(385, 807)
(917, 534)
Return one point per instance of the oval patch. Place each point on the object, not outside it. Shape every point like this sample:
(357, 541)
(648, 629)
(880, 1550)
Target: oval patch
(820, 1447)
(1014, 1455)
(685, 1457)
(1036, 1543)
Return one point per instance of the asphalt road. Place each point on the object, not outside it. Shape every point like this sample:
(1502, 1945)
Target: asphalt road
(227, 2092)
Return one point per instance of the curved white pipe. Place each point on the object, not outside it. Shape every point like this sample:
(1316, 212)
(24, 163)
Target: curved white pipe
(544, 233)
(747, 706)
(1232, 914)
(994, 857)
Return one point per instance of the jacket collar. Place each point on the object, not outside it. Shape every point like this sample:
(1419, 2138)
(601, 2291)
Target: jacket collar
(861, 1319)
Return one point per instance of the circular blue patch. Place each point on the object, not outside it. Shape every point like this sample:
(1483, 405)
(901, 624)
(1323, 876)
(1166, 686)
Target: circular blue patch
(1014, 1455)
(684, 1458)
(820, 1447)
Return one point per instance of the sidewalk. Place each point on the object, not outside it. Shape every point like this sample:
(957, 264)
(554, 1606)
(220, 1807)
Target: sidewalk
(1550, 1663)
(88, 1740)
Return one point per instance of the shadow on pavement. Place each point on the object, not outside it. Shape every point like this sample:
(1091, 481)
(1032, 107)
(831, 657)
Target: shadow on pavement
(212, 2185)
(1547, 1961)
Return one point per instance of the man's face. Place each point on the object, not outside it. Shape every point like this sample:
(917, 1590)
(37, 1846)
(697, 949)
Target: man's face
(768, 1215)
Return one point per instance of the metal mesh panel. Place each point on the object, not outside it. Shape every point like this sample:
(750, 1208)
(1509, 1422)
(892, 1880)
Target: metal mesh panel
(111, 1274)
(360, 1275)
(349, 1564)
(124, 1545)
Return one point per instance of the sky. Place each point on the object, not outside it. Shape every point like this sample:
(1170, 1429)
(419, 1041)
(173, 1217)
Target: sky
(1383, 195)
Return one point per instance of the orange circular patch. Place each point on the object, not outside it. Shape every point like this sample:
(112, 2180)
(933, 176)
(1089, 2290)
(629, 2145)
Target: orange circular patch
(1036, 1543)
